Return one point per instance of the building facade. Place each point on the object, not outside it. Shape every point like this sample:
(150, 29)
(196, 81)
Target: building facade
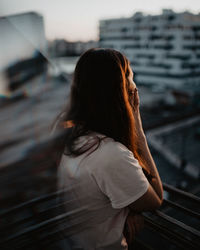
(63, 48)
(164, 50)
(22, 41)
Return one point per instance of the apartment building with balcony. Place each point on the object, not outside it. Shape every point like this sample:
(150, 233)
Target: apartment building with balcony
(164, 49)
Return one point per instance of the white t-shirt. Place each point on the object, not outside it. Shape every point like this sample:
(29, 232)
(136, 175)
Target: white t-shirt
(99, 187)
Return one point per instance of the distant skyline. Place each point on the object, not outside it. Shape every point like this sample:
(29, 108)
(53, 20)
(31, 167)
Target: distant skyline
(79, 19)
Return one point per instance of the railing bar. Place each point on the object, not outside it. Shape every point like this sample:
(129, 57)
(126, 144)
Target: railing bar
(52, 209)
(163, 226)
(33, 202)
(20, 222)
(177, 223)
(184, 209)
(46, 212)
(190, 196)
(169, 235)
(33, 216)
(39, 226)
(30, 203)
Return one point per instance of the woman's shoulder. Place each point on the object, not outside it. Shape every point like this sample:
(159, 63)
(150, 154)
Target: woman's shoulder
(110, 149)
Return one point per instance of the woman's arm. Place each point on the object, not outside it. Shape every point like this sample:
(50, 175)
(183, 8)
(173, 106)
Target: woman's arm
(154, 195)
(147, 161)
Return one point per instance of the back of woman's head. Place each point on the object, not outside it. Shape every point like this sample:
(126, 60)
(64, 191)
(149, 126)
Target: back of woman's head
(98, 95)
(99, 98)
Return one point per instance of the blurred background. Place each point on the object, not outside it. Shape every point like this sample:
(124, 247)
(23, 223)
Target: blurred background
(40, 43)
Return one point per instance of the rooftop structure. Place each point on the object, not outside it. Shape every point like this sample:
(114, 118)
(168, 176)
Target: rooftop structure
(164, 50)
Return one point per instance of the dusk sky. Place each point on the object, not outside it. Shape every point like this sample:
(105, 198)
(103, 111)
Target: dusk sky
(78, 19)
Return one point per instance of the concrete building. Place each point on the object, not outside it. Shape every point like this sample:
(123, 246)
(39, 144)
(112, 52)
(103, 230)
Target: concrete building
(164, 50)
(22, 38)
(63, 48)
(22, 35)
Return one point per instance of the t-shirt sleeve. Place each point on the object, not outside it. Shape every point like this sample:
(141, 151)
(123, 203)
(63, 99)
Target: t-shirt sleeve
(120, 177)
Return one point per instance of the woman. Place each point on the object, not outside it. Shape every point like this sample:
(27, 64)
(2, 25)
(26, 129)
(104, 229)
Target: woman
(105, 155)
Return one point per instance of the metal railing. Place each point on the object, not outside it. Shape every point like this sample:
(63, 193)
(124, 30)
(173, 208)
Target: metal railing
(177, 234)
(41, 224)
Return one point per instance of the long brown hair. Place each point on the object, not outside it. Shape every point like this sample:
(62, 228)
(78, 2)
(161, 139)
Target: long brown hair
(99, 101)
